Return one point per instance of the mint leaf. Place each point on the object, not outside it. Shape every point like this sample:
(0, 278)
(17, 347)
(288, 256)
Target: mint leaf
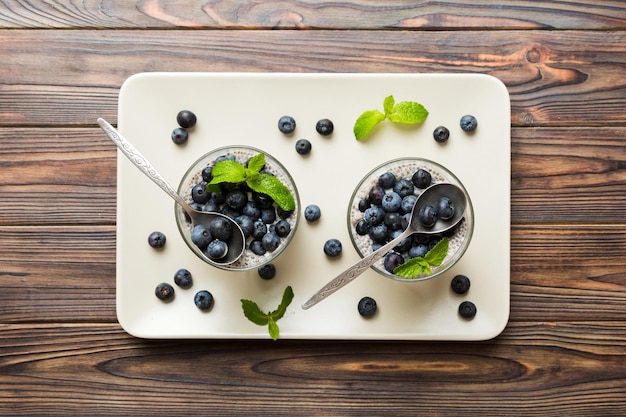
(270, 185)
(418, 265)
(256, 163)
(408, 112)
(228, 171)
(366, 122)
(252, 311)
(405, 112)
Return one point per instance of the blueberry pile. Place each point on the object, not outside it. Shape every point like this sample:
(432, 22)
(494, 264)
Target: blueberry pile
(387, 212)
(263, 223)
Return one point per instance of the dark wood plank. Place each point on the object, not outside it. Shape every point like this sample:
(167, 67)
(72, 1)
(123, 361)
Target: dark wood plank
(67, 274)
(556, 78)
(543, 369)
(311, 14)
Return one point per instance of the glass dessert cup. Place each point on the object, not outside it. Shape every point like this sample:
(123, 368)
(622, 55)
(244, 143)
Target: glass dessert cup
(249, 260)
(404, 168)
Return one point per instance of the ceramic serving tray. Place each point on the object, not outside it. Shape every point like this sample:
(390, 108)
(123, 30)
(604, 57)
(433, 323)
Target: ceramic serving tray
(243, 109)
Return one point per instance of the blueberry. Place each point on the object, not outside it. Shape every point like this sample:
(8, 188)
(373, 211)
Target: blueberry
(387, 180)
(467, 310)
(262, 201)
(441, 134)
(199, 194)
(376, 194)
(403, 187)
(392, 260)
(312, 213)
(156, 240)
(283, 214)
(460, 284)
(257, 247)
(421, 178)
(303, 146)
(428, 215)
(251, 210)
(374, 215)
(201, 236)
(367, 306)
(210, 206)
(220, 228)
(267, 271)
(419, 250)
(207, 174)
(364, 204)
(391, 202)
(270, 242)
(378, 232)
(179, 135)
(164, 291)
(404, 245)
(407, 203)
(186, 119)
(246, 224)
(324, 127)
(217, 249)
(203, 300)
(445, 208)
(236, 199)
(182, 278)
(286, 124)
(283, 228)
(268, 215)
(362, 228)
(259, 229)
(393, 221)
(468, 123)
(332, 248)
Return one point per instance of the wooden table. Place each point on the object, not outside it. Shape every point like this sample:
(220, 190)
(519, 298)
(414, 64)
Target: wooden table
(62, 351)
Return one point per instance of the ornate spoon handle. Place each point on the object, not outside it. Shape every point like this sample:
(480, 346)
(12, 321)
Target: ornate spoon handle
(354, 271)
(139, 160)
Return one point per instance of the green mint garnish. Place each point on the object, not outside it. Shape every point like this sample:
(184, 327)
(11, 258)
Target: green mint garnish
(234, 172)
(254, 313)
(418, 265)
(406, 112)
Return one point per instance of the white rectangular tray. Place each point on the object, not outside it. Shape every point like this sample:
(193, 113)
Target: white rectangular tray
(243, 109)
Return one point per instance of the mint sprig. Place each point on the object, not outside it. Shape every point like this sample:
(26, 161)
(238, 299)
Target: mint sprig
(405, 112)
(418, 265)
(228, 171)
(254, 313)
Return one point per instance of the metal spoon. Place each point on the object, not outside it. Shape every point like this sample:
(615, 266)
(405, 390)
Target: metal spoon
(429, 196)
(236, 243)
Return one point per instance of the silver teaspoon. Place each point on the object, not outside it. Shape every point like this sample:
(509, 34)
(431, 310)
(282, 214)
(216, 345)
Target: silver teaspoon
(429, 196)
(236, 243)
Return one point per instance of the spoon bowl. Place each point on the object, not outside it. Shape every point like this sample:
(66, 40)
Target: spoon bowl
(236, 242)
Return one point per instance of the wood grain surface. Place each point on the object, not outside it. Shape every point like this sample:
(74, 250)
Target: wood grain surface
(62, 351)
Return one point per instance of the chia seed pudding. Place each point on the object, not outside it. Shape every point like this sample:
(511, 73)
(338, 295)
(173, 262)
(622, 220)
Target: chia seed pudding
(404, 168)
(241, 154)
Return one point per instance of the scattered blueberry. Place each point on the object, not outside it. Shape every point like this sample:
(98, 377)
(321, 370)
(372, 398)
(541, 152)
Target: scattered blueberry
(156, 240)
(270, 241)
(182, 278)
(303, 146)
(324, 127)
(387, 180)
(179, 135)
(203, 300)
(468, 123)
(392, 259)
(201, 236)
(217, 249)
(199, 194)
(164, 291)
(367, 306)
(186, 119)
(428, 215)
(441, 134)
(460, 284)
(421, 178)
(445, 208)
(332, 248)
(312, 213)
(467, 310)
(220, 228)
(267, 271)
(286, 124)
